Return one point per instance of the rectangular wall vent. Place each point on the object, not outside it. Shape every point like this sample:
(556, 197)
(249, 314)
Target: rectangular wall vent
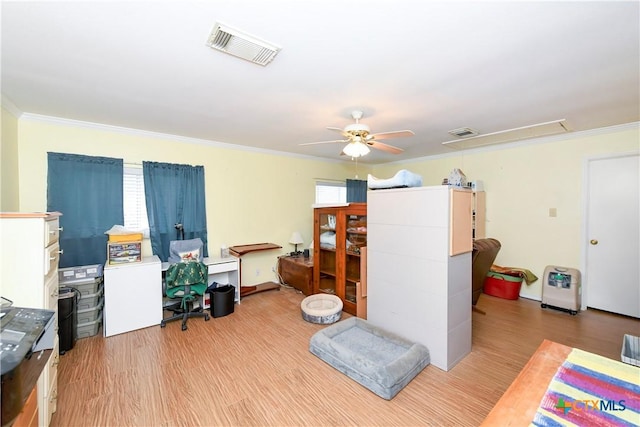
(241, 45)
(463, 132)
(511, 135)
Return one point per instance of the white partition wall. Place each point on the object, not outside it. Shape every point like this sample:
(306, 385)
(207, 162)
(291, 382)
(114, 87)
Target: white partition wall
(416, 289)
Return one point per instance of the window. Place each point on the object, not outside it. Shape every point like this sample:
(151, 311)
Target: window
(331, 192)
(135, 208)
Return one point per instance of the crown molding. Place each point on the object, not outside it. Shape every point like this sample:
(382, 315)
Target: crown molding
(8, 105)
(183, 139)
(158, 135)
(525, 142)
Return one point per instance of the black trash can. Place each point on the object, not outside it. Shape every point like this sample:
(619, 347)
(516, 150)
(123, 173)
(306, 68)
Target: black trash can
(222, 299)
(67, 318)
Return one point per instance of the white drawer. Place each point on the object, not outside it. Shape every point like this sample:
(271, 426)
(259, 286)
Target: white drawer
(50, 290)
(51, 231)
(222, 267)
(51, 399)
(51, 369)
(51, 260)
(48, 387)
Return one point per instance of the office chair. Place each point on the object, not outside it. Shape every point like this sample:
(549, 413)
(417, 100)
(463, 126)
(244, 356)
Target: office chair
(185, 280)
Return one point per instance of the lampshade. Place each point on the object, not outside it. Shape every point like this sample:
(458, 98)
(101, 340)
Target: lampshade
(296, 238)
(356, 149)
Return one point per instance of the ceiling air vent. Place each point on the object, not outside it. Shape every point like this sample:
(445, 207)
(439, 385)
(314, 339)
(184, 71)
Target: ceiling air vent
(242, 45)
(463, 132)
(510, 135)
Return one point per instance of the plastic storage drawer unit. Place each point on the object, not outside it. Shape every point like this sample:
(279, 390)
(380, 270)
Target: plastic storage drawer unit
(89, 329)
(86, 287)
(90, 314)
(90, 300)
(83, 272)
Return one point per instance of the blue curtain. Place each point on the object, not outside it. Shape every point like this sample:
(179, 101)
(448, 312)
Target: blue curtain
(174, 195)
(356, 191)
(88, 192)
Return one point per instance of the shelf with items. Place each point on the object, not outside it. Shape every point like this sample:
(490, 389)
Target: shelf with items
(341, 232)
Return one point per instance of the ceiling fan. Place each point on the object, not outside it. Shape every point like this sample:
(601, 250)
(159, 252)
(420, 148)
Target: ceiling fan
(359, 138)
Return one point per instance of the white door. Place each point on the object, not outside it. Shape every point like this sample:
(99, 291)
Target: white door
(613, 235)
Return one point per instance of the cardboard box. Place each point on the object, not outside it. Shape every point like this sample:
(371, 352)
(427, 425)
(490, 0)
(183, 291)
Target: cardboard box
(124, 252)
(133, 237)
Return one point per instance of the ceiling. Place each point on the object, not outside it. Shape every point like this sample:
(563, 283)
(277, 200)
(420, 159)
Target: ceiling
(427, 66)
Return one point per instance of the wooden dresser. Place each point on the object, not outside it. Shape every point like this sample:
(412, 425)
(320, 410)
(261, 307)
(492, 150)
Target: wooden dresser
(297, 272)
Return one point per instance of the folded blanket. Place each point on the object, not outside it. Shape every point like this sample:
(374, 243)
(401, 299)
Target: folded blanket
(527, 275)
(403, 178)
(591, 390)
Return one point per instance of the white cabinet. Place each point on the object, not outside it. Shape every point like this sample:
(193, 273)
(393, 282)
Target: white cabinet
(419, 268)
(29, 255)
(132, 296)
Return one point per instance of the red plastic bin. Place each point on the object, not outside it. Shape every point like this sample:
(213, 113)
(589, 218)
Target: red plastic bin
(502, 285)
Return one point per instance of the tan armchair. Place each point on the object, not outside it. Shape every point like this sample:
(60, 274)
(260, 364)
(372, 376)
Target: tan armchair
(484, 254)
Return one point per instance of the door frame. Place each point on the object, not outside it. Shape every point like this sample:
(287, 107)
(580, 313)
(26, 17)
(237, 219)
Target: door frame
(585, 217)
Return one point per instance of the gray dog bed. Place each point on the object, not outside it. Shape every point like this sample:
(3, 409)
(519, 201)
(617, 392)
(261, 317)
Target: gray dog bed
(379, 360)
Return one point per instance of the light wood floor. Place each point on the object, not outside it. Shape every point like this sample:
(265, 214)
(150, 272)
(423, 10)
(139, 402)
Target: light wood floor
(253, 367)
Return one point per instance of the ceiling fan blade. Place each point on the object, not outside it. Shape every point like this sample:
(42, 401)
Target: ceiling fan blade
(384, 147)
(394, 134)
(324, 142)
(336, 129)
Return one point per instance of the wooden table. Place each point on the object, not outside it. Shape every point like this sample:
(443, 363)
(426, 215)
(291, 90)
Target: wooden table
(519, 404)
(239, 251)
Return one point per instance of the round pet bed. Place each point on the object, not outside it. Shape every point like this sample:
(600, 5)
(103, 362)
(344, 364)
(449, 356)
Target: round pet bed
(321, 308)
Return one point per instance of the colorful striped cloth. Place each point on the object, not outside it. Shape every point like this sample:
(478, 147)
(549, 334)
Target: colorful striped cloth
(591, 390)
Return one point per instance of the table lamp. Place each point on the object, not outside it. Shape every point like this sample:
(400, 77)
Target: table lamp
(296, 239)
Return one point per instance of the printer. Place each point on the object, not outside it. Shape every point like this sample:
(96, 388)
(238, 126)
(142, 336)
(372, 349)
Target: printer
(26, 343)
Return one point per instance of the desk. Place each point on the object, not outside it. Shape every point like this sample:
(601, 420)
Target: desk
(225, 271)
(297, 272)
(239, 250)
(519, 404)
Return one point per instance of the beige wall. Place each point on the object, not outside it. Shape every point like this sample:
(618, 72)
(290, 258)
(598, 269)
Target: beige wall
(252, 197)
(522, 183)
(9, 199)
(255, 197)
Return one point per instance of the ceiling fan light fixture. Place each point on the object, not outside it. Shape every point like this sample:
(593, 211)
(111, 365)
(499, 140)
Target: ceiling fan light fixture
(356, 149)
